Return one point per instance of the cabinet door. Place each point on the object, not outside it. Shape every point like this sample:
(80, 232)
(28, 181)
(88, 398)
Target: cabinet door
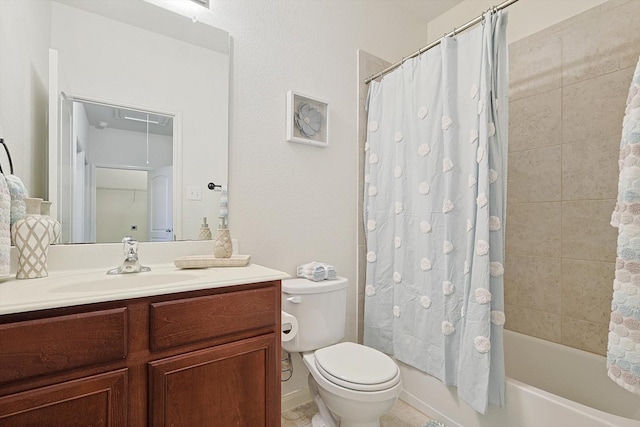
(232, 385)
(99, 400)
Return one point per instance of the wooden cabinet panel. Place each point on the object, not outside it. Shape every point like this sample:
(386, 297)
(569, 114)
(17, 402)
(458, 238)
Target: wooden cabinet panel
(100, 400)
(186, 321)
(93, 365)
(56, 344)
(228, 385)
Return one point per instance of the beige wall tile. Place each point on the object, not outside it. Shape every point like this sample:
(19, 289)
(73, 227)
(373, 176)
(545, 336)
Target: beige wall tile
(535, 65)
(533, 282)
(535, 121)
(587, 289)
(534, 323)
(612, 4)
(594, 108)
(533, 229)
(587, 336)
(586, 232)
(590, 169)
(362, 120)
(368, 65)
(534, 175)
(603, 44)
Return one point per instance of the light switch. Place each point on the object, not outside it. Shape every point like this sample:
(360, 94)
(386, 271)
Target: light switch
(194, 193)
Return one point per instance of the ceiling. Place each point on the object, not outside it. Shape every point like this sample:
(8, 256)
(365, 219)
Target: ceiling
(426, 9)
(106, 116)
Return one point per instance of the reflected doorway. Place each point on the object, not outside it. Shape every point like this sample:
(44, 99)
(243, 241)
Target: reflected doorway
(118, 164)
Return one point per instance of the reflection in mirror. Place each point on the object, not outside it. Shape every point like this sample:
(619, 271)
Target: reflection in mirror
(120, 182)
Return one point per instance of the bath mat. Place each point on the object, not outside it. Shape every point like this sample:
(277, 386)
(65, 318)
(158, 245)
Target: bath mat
(432, 423)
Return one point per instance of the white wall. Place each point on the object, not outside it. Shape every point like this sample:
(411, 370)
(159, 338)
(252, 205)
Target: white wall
(121, 202)
(24, 45)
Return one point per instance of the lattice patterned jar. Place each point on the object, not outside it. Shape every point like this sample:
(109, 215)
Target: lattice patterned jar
(32, 236)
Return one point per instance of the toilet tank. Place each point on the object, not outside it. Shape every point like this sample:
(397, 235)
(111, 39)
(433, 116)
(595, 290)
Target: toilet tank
(321, 311)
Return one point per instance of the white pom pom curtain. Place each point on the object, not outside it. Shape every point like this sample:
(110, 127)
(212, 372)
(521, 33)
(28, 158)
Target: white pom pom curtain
(434, 209)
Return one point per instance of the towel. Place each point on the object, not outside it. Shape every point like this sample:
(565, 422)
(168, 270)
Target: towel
(317, 271)
(5, 228)
(18, 193)
(623, 348)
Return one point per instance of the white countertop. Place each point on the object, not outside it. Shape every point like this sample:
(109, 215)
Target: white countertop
(86, 286)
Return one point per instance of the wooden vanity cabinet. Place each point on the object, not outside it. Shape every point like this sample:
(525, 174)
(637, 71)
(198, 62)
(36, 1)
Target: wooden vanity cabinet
(201, 358)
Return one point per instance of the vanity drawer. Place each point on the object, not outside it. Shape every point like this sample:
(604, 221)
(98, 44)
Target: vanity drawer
(46, 346)
(180, 322)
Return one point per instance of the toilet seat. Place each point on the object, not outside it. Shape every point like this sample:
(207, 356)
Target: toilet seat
(357, 367)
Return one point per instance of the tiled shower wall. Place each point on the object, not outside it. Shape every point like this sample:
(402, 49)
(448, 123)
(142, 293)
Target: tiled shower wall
(568, 90)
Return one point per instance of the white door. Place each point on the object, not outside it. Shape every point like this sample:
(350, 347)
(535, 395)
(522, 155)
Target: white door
(160, 209)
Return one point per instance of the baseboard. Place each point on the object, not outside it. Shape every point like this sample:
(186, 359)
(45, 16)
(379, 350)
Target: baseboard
(423, 407)
(295, 399)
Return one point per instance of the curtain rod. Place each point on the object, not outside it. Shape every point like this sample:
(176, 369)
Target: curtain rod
(437, 42)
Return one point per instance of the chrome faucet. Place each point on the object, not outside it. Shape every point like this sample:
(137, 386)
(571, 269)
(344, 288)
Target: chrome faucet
(131, 264)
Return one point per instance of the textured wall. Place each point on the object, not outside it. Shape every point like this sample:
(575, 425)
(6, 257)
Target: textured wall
(568, 90)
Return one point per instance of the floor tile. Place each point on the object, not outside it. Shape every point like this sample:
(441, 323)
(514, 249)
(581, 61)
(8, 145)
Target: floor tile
(401, 415)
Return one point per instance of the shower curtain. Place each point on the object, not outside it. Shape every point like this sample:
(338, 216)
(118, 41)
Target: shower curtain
(434, 212)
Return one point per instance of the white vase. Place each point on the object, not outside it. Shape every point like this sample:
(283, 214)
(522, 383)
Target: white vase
(32, 236)
(56, 228)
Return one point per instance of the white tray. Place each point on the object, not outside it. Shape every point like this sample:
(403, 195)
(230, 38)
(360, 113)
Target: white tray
(206, 261)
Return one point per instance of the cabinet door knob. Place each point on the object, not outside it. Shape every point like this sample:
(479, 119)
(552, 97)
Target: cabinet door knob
(294, 300)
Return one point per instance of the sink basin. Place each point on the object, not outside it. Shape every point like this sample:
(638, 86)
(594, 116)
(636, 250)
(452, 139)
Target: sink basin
(118, 282)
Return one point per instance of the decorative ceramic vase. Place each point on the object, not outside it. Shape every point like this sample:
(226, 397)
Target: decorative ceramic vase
(56, 228)
(32, 236)
(222, 245)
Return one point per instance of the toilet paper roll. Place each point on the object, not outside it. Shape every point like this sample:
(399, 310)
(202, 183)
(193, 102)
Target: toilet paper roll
(289, 326)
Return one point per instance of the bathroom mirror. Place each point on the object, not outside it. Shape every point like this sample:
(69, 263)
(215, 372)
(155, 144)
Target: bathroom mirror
(138, 57)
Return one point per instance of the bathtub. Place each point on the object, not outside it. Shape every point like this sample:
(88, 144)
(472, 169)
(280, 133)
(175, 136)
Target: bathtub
(548, 385)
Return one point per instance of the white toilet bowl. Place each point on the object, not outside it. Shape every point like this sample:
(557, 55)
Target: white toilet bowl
(352, 385)
(356, 383)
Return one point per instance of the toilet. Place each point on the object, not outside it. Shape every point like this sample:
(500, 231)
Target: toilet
(352, 385)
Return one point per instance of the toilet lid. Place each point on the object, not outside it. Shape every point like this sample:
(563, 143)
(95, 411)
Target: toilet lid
(356, 366)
